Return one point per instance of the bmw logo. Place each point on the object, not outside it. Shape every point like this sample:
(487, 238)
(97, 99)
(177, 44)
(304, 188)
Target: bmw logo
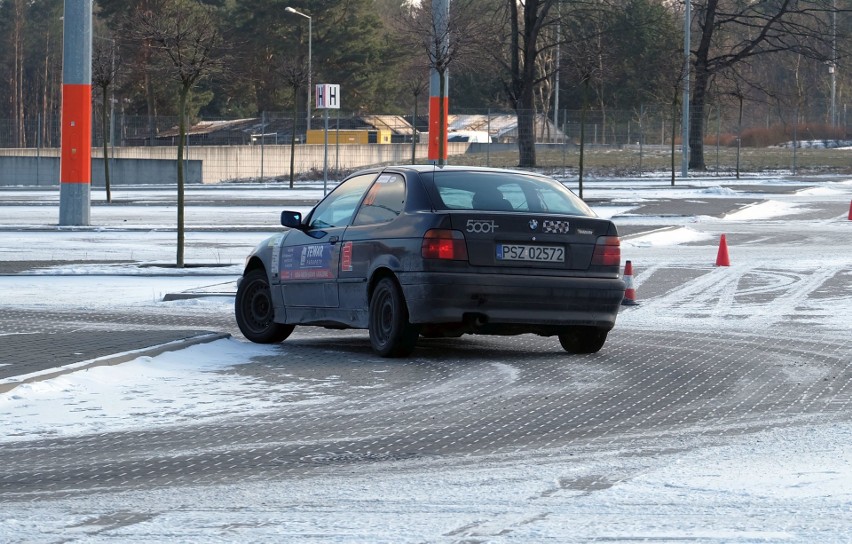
(533, 224)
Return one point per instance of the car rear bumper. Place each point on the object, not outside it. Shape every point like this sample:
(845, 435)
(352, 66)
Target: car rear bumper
(512, 299)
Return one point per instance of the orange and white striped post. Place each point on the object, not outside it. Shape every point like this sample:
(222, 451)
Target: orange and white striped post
(437, 152)
(438, 101)
(75, 165)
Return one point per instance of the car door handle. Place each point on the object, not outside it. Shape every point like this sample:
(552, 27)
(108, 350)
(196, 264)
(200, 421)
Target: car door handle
(333, 239)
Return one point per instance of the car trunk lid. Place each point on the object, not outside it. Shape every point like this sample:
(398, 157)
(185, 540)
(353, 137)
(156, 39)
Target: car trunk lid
(531, 240)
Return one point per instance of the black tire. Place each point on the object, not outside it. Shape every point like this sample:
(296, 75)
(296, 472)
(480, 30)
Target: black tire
(391, 335)
(254, 311)
(581, 340)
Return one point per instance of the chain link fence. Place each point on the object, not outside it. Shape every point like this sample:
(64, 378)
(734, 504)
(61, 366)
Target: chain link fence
(280, 146)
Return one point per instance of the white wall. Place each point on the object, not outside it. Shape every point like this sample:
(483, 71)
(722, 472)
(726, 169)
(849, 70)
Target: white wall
(220, 163)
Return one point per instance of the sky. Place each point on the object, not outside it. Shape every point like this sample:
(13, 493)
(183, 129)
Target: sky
(784, 485)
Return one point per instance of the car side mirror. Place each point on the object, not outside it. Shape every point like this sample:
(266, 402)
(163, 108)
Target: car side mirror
(291, 219)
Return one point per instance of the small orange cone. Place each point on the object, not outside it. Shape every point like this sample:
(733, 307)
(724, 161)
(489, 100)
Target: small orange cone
(850, 211)
(629, 292)
(722, 257)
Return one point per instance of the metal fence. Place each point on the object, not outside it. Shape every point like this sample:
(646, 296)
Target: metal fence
(264, 147)
(601, 128)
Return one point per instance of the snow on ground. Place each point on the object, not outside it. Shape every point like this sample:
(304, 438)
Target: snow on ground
(120, 245)
(667, 237)
(784, 485)
(184, 386)
(88, 291)
(764, 210)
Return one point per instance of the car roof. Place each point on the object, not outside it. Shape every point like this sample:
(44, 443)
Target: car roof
(427, 168)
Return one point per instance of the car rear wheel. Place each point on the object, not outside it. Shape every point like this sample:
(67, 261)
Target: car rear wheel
(391, 335)
(254, 310)
(583, 339)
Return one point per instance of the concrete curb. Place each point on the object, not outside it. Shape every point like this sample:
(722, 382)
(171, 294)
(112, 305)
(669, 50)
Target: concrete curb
(9, 384)
(169, 297)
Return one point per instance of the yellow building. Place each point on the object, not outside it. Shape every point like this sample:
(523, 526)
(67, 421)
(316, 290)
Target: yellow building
(317, 136)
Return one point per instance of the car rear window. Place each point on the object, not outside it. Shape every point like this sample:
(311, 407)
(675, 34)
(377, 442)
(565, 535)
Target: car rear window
(505, 191)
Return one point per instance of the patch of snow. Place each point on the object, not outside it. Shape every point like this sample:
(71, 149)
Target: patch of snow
(667, 237)
(174, 388)
(94, 292)
(723, 191)
(764, 210)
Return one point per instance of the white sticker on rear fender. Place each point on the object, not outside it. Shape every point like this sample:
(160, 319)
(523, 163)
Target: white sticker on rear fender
(483, 226)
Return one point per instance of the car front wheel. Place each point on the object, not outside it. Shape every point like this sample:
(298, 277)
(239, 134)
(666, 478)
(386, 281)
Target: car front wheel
(391, 335)
(254, 310)
(580, 340)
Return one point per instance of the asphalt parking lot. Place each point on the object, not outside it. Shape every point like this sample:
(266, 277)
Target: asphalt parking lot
(711, 354)
(469, 397)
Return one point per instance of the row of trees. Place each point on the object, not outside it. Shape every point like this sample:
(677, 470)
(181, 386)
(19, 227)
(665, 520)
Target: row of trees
(585, 54)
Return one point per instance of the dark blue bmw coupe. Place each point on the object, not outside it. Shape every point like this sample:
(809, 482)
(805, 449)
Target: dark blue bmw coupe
(406, 251)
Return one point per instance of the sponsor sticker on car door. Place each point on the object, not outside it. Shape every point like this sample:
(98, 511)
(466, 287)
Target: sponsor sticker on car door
(306, 262)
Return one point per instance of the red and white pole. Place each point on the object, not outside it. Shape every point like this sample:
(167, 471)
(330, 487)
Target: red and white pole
(438, 104)
(75, 166)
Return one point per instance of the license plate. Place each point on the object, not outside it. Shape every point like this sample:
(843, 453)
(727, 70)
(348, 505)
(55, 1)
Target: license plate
(524, 252)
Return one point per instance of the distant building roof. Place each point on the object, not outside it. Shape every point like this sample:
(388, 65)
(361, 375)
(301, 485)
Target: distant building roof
(397, 124)
(499, 125)
(209, 127)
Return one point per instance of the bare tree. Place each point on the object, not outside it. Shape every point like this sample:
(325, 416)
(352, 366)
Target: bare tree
(295, 76)
(526, 23)
(547, 64)
(416, 84)
(414, 71)
(586, 55)
(445, 41)
(105, 63)
(731, 33)
(16, 78)
(744, 85)
(668, 74)
(185, 34)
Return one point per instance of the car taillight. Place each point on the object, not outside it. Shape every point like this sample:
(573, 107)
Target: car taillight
(444, 244)
(607, 251)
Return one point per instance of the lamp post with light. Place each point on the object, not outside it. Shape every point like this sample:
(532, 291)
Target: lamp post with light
(289, 9)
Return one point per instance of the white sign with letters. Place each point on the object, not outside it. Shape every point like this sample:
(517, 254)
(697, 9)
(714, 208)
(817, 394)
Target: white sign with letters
(328, 96)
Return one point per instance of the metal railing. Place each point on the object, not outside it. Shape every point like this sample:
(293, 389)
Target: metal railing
(260, 148)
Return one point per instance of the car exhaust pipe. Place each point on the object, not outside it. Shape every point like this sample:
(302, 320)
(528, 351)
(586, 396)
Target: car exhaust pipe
(474, 322)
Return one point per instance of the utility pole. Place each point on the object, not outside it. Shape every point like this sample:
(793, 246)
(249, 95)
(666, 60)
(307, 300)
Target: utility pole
(75, 170)
(439, 84)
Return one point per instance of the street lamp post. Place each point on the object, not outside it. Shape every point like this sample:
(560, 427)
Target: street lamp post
(687, 24)
(289, 9)
(832, 69)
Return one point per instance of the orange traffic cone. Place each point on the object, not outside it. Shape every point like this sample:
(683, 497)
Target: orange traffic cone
(850, 211)
(722, 257)
(629, 292)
